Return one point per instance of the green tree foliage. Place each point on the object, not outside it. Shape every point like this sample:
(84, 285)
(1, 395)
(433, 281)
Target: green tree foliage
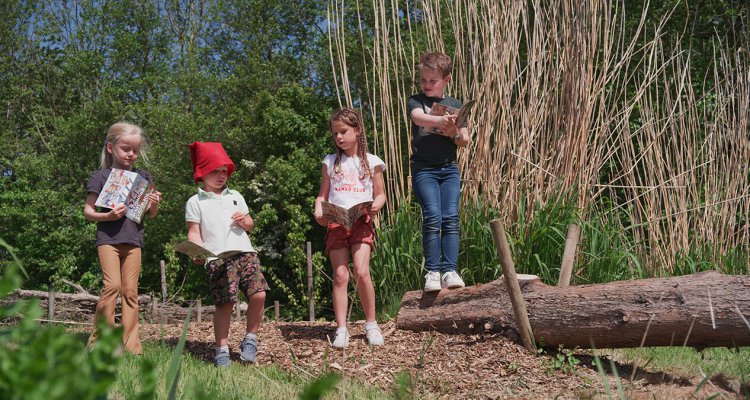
(224, 71)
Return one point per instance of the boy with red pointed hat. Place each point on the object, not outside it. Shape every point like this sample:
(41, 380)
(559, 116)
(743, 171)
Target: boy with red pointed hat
(217, 219)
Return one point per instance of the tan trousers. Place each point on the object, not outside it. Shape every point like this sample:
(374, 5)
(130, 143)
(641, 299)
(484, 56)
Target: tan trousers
(121, 266)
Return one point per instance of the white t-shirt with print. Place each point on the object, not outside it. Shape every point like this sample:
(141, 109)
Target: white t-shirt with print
(347, 189)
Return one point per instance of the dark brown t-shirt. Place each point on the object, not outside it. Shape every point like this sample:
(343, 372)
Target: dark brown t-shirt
(124, 230)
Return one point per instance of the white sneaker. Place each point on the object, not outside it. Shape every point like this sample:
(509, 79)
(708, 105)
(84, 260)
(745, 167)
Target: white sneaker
(432, 282)
(374, 336)
(452, 280)
(341, 341)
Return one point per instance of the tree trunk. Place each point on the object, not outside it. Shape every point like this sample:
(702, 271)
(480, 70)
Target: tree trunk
(708, 309)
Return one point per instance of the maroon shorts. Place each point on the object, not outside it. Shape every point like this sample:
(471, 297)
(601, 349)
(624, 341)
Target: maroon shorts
(338, 237)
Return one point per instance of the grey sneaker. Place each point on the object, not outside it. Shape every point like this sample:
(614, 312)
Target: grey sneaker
(452, 280)
(248, 350)
(432, 282)
(222, 360)
(341, 341)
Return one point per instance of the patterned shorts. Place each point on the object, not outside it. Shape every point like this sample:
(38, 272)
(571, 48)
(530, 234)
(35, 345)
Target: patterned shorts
(242, 270)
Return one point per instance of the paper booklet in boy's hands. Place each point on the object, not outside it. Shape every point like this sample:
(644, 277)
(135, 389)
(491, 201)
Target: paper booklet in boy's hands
(126, 187)
(197, 251)
(343, 216)
(462, 114)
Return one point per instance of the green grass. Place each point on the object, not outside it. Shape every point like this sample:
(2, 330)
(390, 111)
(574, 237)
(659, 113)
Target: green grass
(686, 361)
(201, 380)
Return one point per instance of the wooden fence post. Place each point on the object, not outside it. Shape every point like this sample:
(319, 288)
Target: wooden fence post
(163, 282)
(276, 310)
(511, 283)
(51, 304)
(310, 289)
(569, 255)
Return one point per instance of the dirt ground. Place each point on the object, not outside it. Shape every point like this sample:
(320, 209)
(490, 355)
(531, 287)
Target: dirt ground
(440, 365)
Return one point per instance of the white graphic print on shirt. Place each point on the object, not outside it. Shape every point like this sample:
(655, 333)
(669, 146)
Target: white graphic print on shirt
(347, 188)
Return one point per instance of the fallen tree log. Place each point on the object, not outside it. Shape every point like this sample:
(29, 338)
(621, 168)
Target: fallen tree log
(707, 309)
(75, 307)
(81, 297)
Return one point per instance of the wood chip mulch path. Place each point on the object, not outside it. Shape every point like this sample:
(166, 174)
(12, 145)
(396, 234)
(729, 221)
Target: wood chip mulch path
(443, 366)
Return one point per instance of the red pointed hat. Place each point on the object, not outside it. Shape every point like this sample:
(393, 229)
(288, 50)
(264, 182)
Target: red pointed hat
(207, 156)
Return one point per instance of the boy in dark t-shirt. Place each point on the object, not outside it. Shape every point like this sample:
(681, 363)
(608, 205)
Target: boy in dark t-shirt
(434, 170)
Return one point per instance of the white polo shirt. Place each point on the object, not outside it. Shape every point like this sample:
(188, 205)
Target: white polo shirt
(214, 214)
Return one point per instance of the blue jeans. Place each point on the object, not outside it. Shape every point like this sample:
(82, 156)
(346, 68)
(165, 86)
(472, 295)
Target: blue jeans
(439, 191)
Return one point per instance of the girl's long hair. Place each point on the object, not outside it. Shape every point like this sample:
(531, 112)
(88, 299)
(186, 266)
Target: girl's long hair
(352, 118)
(114, 134)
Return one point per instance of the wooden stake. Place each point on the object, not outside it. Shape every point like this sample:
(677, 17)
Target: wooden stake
(237, 310)
(569, 255)
(511, 282)
(276, 315)
(310, 291)
(51, 305)
(163, 282)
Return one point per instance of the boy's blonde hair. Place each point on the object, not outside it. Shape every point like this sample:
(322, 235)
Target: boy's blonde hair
(114, 134)
(352, 118)
(436, 62)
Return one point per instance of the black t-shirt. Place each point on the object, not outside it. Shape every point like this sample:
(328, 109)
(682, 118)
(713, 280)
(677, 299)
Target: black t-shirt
(430, 150)
(124, 230)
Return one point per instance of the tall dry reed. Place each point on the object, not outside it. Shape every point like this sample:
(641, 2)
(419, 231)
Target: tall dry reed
(567, 99)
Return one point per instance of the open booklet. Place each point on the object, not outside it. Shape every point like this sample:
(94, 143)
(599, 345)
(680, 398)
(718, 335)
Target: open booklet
(197, 251)
(462, 114)
(345, 216)
(126, 187)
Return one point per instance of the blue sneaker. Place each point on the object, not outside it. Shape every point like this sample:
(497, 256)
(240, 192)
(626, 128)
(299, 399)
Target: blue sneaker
(248, 349)
(222, 359)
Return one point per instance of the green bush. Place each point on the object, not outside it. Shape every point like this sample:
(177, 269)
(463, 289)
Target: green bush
(46, 362)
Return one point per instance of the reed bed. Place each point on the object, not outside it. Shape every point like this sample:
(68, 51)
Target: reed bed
(569, 100)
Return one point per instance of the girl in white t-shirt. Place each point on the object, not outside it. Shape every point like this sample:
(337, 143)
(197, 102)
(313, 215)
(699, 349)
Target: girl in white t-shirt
(351, 176)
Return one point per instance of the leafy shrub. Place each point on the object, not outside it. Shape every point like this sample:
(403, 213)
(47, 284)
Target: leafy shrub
(46, 362)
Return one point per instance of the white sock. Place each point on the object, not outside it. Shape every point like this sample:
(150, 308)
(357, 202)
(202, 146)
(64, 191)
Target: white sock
(251, 335)
(341, 329)
(371, 325)
(222, 349)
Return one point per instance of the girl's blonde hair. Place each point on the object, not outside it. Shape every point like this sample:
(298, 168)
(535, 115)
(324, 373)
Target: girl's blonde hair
(352, 118)
(114, 134)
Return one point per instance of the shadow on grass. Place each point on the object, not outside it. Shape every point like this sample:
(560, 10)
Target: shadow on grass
(200, 350)
(625, 371)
